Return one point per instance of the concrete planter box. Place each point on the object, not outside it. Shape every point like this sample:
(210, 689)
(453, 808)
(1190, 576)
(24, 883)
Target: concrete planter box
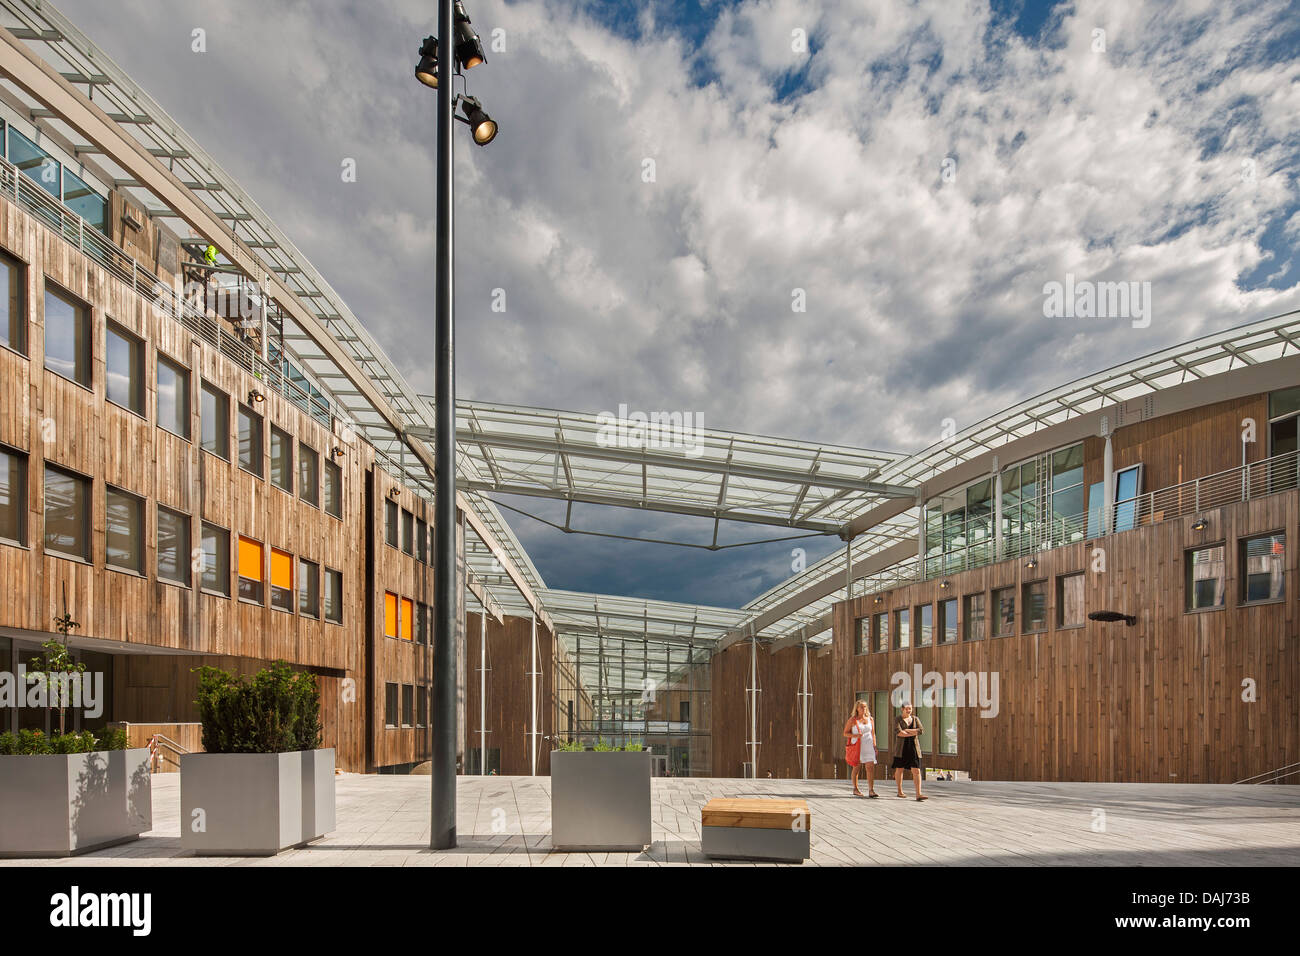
(255, 804)
(600, 801)
(65, 804)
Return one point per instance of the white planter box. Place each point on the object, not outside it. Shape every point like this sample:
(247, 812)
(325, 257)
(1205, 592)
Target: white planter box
(255, 804)
(64, 804)
(600, 800)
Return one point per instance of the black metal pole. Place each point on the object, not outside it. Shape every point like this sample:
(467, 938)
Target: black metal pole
(442, 834)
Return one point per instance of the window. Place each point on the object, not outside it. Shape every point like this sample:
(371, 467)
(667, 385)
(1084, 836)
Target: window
(974, 617)
(215, 544)
(282, 580)
(421, 541)
(124, 362)
(1004, 609)
(1068, 515)
(333, 596)
(408, 705)
(13, 498)
(1263, 568)
(925, 625)
(948, 621)
(173, 546)
(38, 165)
(281, 459)
(390, 614)
(84, 201)
(1205, 573)
(308, 475)
(123, 530)
(308, 588)
(214, 416)
(880, 631)
(1283, 438)
(902, 629)
(408, 619)
(407, 531)
(251, 570)
(1128, 485)
(333, 476)
(67, 336)
(862, 644)
(948, 722)
(67, 513)
(421, 623)
(422, 706)
(390, 705)
(13, 315)
(390, 522)
(1035, 606)
(250, 440)
(1069, 600)
(173, 398)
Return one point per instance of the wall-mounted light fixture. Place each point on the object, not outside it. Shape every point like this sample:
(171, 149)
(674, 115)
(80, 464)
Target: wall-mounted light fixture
(255, 397)
(394, 492)
(1201, 524)
(943, 586)
(1032, 563)
(336, 452)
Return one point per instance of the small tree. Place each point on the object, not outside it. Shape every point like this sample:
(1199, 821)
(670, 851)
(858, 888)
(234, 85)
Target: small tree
(56, 668)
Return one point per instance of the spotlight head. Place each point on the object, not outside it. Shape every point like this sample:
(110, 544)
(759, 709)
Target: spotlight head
(255, 397)
(481, 125)
(426, 71)
(469, 48)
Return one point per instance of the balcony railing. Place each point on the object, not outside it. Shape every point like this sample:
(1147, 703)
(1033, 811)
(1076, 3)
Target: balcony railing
(1253, 480)
(29, 196)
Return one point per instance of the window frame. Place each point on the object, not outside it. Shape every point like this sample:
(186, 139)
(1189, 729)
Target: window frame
(83, 313)
(184, 557)
(183, 373)
(325, 579)
(331, 488)
(1059, 617)
(88, 498)
(942, 623)
(16, 299)
(307, 453)
(391, 520)
(918, 628)
(260, 421)
(209, 390)
(997, 611)
(304, 565)
(292, 590)
(1024, 607)
(203, 588)
(1188, 581)
(140, 387)
(1243, 575)
(22, 469)
(138, 502)
(240, 577)
(970, 619)
(287, 444)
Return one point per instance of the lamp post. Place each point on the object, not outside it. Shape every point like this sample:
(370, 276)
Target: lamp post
(440, 62)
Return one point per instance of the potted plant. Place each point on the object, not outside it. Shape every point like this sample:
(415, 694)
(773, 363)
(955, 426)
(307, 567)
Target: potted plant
(71, 793)
(600, 799)
(263, 783)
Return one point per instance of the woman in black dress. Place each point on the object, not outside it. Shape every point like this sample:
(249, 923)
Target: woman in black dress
(906, 754)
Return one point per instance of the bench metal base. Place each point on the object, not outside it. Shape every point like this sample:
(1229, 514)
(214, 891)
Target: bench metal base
(755, 843)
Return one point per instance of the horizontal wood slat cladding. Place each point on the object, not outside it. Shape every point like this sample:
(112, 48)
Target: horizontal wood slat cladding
(1159, 701)
(509, 657)
(779, 724)
(76, 428)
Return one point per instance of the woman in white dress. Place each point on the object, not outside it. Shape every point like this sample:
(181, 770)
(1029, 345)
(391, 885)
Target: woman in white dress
(860, 751)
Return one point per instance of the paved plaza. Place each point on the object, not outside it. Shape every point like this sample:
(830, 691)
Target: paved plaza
(505, 821)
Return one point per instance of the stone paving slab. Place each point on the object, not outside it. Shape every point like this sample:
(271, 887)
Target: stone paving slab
(505, 821)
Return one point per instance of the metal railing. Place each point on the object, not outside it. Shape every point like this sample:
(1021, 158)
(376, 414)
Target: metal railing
(31, 197)
(1188, 498)
(1272, 776)
(160, 741)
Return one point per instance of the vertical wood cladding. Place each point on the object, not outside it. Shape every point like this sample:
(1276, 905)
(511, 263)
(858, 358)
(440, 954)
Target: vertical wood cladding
(509, 661)
(779, 718)
(1159, 701)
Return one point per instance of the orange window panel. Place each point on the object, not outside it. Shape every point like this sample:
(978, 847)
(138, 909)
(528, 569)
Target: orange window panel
(281, 570)
(408, 619)
(250, 559)
(390, 614)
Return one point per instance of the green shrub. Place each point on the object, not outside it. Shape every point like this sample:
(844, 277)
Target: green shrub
(28, 743)
(113, 738)
(634, 748)
(278, 711)
(571, 745)
(602, 747)
(8, 744)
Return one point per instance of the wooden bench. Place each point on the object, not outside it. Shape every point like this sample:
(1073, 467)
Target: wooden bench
(756, 829)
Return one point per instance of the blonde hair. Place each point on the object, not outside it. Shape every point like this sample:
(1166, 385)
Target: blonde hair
(859, 705)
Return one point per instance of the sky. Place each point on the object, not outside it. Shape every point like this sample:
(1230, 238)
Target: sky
(832, 221)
